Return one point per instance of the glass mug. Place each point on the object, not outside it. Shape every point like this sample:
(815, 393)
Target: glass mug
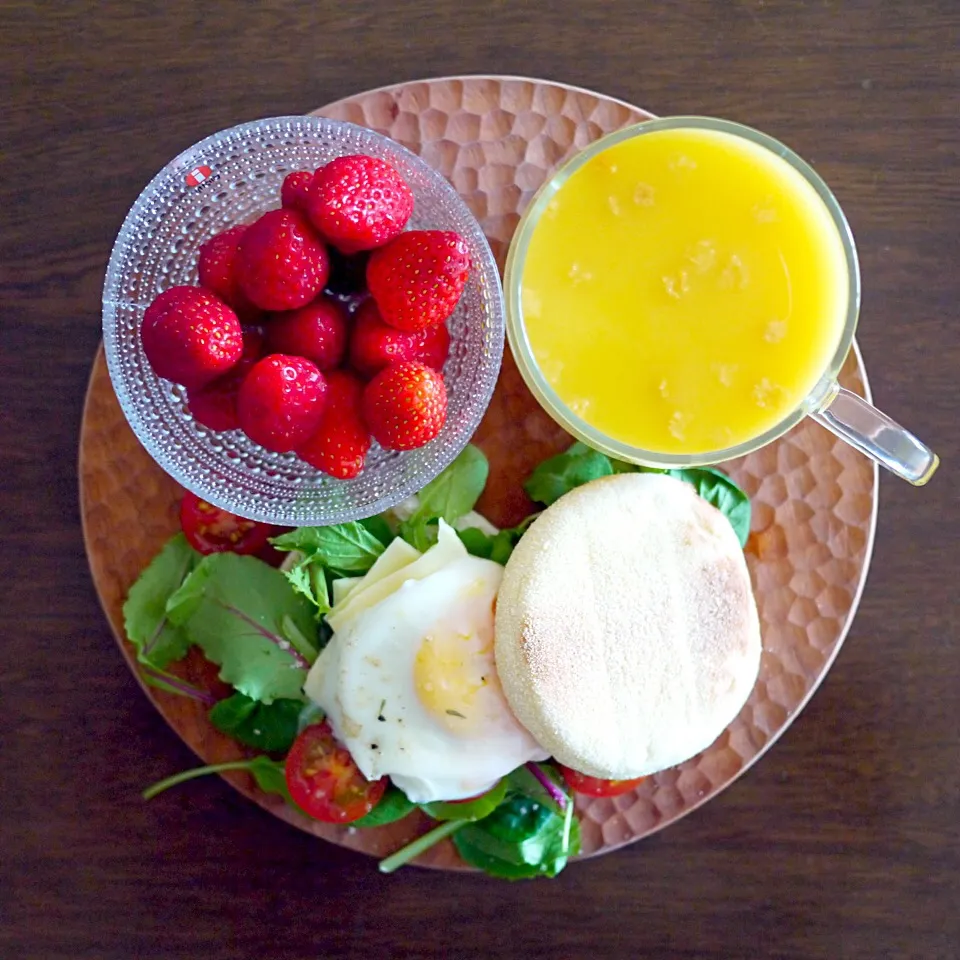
(841, 411)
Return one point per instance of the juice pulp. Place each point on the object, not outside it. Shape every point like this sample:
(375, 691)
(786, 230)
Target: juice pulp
(684, 290)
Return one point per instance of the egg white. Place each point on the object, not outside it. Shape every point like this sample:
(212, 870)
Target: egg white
(366, 681)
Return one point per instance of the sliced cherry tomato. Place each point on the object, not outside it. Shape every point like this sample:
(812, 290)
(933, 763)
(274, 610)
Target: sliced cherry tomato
(324, 780)
(212, 530)
(594, 786)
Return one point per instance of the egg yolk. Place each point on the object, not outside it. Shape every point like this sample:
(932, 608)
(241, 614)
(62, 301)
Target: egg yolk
(455, 679)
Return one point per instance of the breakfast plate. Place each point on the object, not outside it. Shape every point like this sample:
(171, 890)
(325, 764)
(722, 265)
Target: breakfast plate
(814, 498)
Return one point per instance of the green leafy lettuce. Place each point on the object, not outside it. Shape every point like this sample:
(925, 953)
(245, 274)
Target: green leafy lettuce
(516, 831)
(497, 546)
(272, 727)
(577, 465)
(344, 548)
(247, 618)
(449, 496)
(394, 805)
(158, 641)
(580, 464)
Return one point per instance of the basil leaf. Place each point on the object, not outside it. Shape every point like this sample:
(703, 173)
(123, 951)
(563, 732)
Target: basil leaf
(271, 728)
(394, 805)
(158, 641)
(475, 809)
(247, 618)
(719, 490)
(455, 491)
(566, 471)
(344, 547)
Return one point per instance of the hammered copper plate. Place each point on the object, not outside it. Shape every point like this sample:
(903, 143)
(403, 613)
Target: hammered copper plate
(814, 498)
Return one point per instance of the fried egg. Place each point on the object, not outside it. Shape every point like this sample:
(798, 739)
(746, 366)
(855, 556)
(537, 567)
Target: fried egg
(409, 683)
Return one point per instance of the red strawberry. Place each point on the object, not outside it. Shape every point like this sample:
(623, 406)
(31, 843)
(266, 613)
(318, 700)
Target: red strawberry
(296, 190)
(405, 405)
(217, 269)
(282, 263)
(317, 331)
(215, 405)
(359, 203)
(375, 344)
(417, 279)
(281, 401)
(190, 336)
(342, 440)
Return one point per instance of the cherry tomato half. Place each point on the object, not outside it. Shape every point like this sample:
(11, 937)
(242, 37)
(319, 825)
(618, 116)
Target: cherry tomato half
(325, 782)
(594, 786)
(209, 529)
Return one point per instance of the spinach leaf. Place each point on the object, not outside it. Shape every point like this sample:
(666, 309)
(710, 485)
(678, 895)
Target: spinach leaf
(718, 489)
(271, 728)
(475, 809)
(268, 774)
(394, 805)
(520, 839)
(247, 618)
(419, 532)
(344, 548)
(497, 547)
(580, 464)
(560, 474)
(379, 527)
(455, 491)
(158, 641)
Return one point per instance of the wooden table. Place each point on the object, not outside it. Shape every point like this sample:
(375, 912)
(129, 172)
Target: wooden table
(842, 842)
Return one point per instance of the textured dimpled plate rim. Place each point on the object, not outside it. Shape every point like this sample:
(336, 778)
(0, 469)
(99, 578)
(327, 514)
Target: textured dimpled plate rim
(814, 498)
(241, 170)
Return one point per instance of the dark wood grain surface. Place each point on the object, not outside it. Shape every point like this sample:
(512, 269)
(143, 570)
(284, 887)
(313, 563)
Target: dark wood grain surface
(843, 843)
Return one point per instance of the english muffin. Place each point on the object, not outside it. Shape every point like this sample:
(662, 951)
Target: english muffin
(627, 635)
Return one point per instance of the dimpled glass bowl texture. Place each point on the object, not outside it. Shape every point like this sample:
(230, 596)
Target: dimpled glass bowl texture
(237, 175)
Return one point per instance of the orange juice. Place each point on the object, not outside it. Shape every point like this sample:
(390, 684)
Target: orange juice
(684, 290)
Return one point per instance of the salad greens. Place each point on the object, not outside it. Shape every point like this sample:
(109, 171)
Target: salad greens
(525, 833)
(577, 465)
(265, 627)
(475, 809)
(268, 774)
(247, 618)
(345, 548)
(271, 728)
(449, 496)
(720, 491)
(158, 641)
(456, 490)
(580, 464)
(307, 577)
(497, 546)
(394, 805)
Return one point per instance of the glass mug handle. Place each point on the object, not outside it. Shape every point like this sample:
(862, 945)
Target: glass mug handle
(873, 433)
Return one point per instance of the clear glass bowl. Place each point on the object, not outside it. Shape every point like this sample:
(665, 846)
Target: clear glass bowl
(230, 178)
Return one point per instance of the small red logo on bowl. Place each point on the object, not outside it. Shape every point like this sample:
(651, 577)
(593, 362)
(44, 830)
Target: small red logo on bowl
(197, 175)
